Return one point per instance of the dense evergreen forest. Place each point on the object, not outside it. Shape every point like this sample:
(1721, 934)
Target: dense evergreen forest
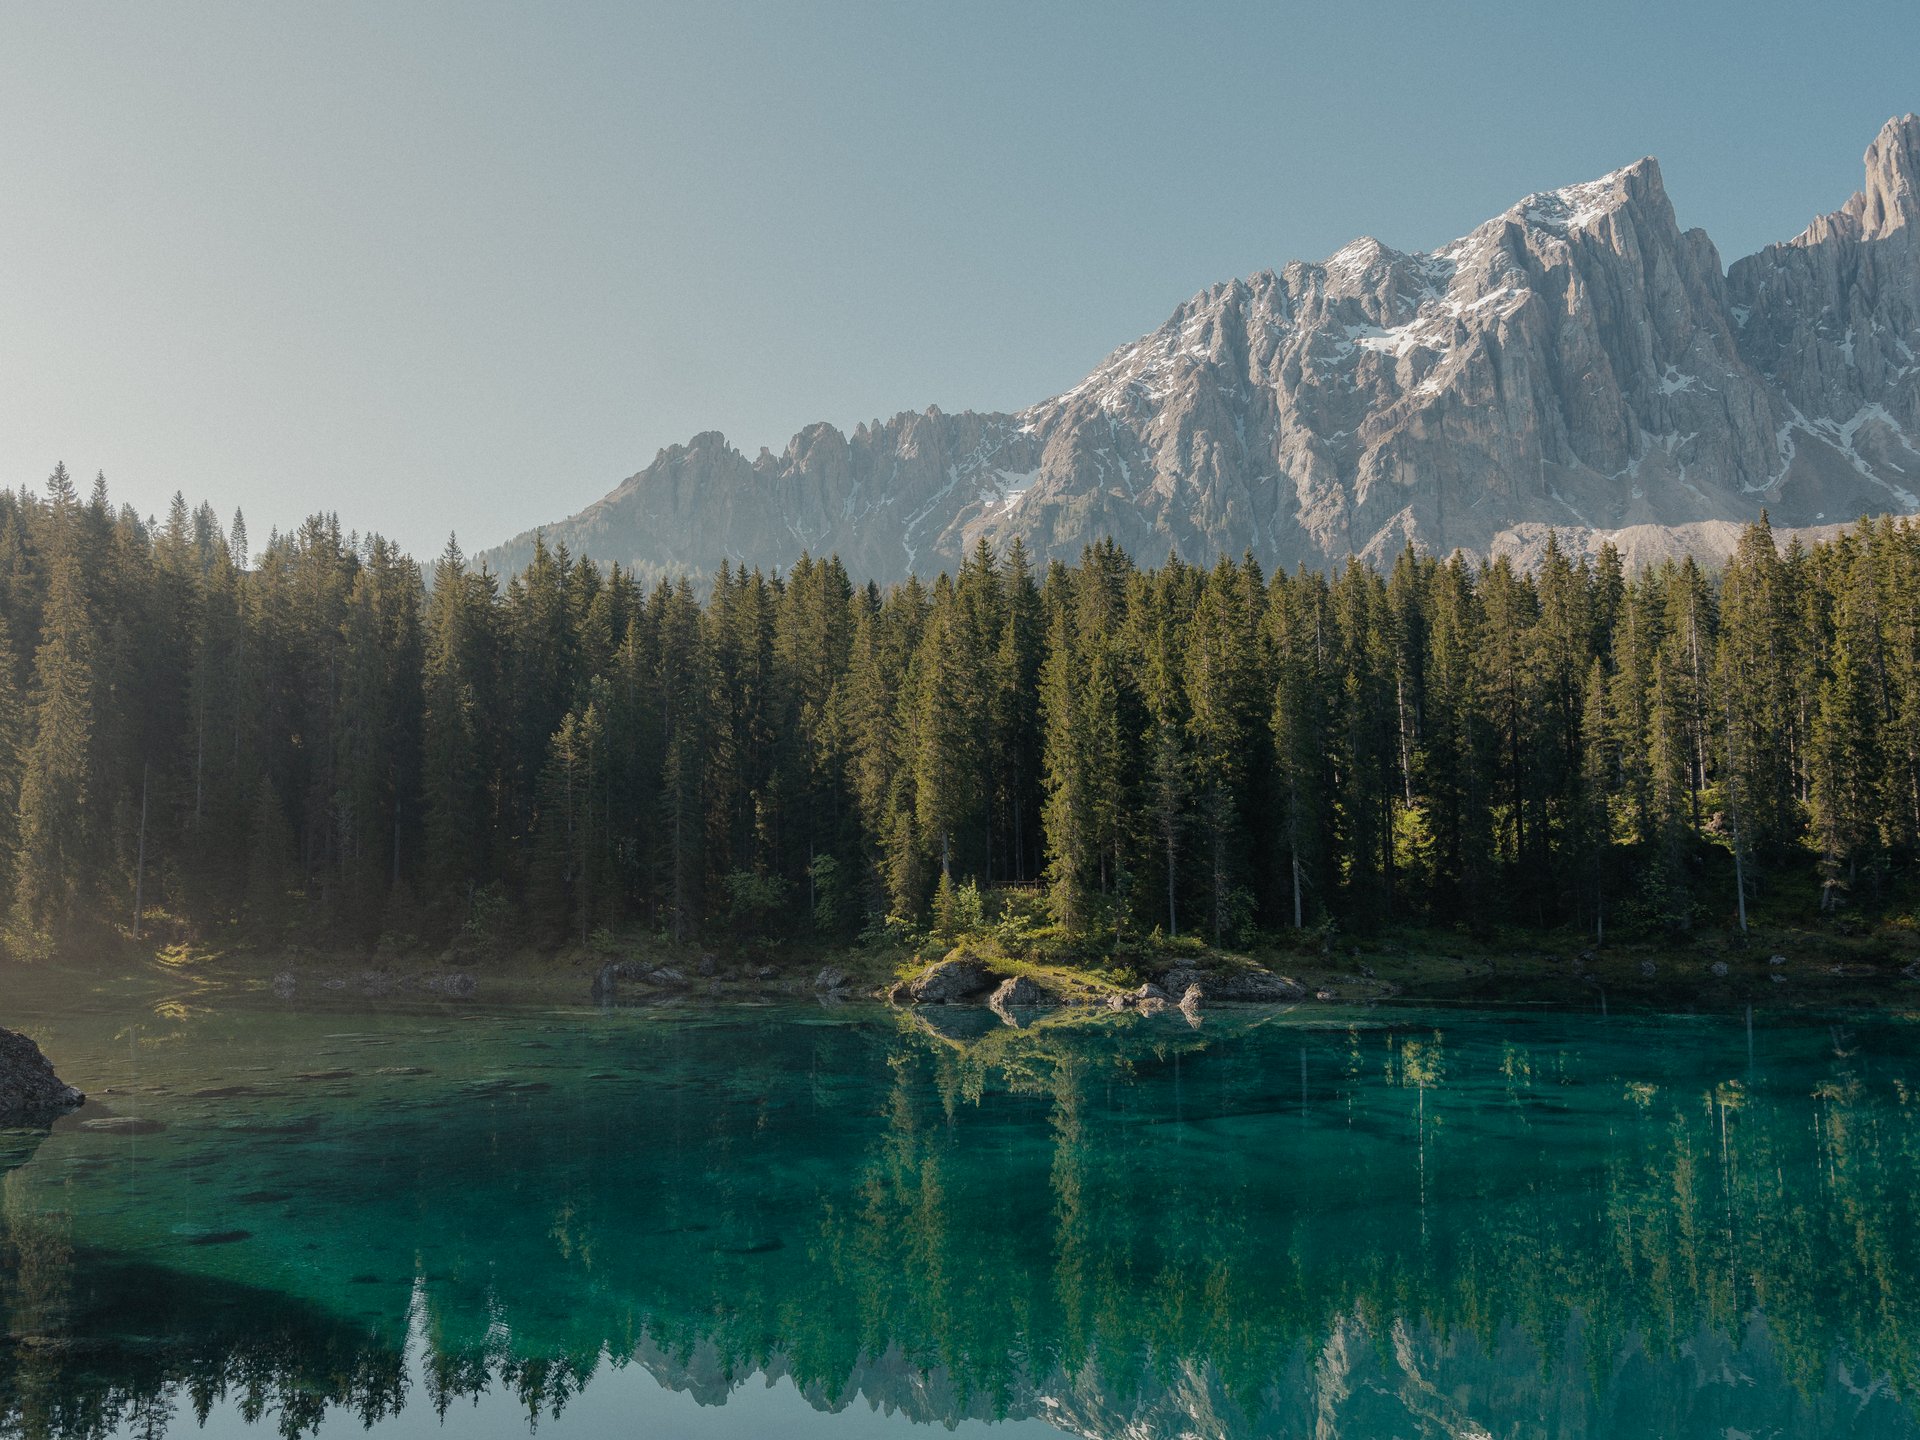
(320, 741)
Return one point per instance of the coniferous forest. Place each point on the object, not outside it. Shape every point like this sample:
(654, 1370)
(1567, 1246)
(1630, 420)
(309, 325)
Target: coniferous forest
(321, 740)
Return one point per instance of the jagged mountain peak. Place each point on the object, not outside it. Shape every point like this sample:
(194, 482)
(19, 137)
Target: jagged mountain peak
(1582, 206)
(1891, 197)
(1576, 362)
(1888, 200)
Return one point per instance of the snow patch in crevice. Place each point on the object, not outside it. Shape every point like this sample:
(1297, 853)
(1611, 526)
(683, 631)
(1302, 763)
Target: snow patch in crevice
(1006, 489)
(1841, 437)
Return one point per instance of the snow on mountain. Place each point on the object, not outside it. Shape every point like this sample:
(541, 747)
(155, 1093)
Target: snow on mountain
(1577, 362)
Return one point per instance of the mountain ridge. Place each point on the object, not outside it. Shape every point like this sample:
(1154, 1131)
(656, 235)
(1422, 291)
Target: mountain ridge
(1577, 362)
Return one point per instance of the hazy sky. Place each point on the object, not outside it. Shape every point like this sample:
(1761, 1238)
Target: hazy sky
(468, 266)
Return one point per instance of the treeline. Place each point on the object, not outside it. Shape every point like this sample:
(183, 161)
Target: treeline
(323, 741)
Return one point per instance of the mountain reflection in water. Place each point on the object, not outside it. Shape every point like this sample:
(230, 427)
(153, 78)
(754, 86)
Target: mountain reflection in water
(1322, 1224)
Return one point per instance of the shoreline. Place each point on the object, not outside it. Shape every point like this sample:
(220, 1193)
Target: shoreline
(1788, 975)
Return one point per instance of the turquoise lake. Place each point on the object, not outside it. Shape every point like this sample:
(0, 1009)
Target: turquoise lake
(283, 1218)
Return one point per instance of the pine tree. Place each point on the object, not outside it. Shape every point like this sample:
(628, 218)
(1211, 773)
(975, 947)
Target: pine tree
(1016, 713)
(1072, 854)
(54, 876)
(458, 693)
(1219, 676)
(14, 730)
(1845, 758)
(945, 747)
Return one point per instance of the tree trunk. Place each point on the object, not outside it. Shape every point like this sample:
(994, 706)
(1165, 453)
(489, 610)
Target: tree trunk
(1173, 917)
(140, 864)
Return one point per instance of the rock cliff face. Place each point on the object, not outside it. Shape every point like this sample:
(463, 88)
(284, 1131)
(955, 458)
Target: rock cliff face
(1578, 362)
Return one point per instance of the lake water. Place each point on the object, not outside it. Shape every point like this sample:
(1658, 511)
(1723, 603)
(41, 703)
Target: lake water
(487, 1220)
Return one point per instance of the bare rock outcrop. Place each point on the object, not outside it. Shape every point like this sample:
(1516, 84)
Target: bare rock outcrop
(958, 977)
(1016, 994)
(30, 1093)
(1248, 986)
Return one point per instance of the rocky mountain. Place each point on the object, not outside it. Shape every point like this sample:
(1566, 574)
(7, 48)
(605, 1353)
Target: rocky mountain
(1578, 362)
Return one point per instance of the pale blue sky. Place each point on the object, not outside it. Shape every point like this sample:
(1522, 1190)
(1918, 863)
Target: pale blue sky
(440, 266)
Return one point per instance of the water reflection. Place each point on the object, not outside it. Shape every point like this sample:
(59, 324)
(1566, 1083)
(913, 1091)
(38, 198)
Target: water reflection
(1122, 1226)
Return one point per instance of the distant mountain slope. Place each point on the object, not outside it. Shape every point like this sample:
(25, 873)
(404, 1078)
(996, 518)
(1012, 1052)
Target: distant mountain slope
(1577, 362)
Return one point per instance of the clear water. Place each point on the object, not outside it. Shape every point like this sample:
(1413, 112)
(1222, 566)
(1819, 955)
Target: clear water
(846, 1222)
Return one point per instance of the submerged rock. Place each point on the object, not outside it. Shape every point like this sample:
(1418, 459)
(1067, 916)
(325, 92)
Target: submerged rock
(123, 1125)
(30, 1092)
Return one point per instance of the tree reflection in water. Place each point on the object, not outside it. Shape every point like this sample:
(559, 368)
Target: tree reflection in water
(1448, 1226)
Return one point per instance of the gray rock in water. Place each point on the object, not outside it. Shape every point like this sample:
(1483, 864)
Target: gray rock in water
(1150, 992)
(831, 978)
(284, 985)
(606, 982)
(1776, 960)
(1016, 999)
(1192, 999)
(1261, 987)
(1180, 979)
(956, 978)
(30, 1092)
(1018, 993)
(1648, 968)
(1718, 969)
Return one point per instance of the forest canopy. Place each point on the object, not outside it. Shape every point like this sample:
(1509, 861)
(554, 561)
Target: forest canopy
(322, 740)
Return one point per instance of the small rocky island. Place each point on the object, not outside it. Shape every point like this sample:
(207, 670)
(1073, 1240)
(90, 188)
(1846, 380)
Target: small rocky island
(30, 1093)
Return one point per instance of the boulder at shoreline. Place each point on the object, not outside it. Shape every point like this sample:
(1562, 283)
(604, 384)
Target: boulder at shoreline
(958, 977)
(30, 1093)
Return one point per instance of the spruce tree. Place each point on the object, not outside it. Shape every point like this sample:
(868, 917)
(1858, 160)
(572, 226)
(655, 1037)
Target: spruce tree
(54, 877)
